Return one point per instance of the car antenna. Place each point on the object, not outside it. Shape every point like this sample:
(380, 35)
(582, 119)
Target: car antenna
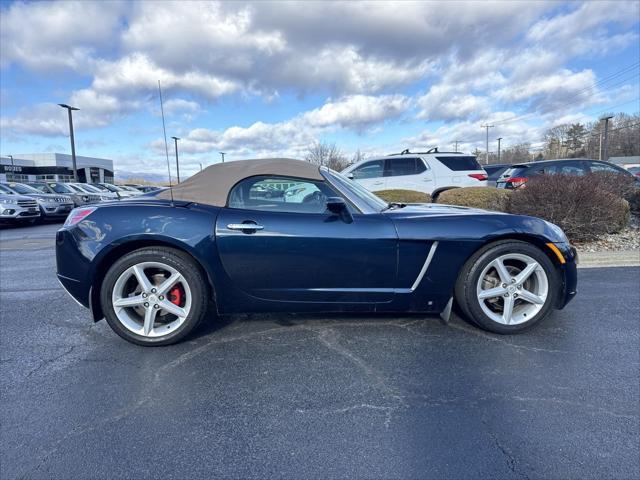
(166, 147)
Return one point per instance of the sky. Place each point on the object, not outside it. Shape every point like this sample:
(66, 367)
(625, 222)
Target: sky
(271, 78)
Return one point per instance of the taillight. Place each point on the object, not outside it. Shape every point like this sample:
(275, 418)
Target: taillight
(516, 181)
(77, 215)
(478, 176)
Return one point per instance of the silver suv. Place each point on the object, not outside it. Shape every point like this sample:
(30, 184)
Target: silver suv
(51, 205)
(18, 209)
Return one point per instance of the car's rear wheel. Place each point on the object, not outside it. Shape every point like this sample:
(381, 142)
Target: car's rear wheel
(507, 287)
(154, 296)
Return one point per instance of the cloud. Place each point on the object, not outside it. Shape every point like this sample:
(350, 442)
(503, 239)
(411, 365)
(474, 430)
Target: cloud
(356, 112)
(45, 35)
(550, 92)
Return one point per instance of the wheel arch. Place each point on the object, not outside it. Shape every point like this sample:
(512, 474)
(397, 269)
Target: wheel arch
(105, 261)
(535, 240)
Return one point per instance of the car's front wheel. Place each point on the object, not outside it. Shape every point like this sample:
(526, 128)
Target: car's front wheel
(507, 287)
(154, 296)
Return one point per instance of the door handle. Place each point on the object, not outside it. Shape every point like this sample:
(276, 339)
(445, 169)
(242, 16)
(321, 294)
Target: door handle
(244, 226)
(378, 183)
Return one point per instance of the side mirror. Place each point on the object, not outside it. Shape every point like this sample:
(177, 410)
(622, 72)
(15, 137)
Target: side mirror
(350, 176)
(337, 206)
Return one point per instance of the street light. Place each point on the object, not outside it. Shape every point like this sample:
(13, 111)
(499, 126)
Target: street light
(200, 165)
(11, 157)
(499, 140)
(175, 139)
(222, 154)
(605, 153)
(73, 143)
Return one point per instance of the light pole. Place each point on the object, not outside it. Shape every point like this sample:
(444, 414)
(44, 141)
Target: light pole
(499, 139)
(175, 139)
(456, 142)
(222, 154)
(487, 127)
(605, 153)
(73, 143)
(11, 157)
(200, 166)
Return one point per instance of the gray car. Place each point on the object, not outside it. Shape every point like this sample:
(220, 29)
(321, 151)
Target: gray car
(18, 209)
(51, 205)
(78, 197)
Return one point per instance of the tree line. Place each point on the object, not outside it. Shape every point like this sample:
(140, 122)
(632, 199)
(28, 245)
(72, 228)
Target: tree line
(571, 140)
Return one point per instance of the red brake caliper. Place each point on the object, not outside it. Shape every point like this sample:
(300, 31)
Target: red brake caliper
(175, 295)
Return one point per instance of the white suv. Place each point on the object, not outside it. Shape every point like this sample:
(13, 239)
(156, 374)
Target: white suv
(430, 172)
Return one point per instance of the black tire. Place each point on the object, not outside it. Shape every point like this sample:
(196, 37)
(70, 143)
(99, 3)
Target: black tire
(177, 259)
(466, 294)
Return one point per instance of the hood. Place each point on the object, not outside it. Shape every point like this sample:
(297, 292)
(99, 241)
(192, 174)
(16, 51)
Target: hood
(4, 196)
(52, 197)
(437, 209)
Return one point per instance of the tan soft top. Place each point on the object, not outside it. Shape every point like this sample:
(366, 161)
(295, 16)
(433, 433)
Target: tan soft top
(211, 186)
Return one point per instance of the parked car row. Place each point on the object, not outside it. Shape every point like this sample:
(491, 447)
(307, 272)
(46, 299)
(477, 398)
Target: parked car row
(28, 202)
(433, 172)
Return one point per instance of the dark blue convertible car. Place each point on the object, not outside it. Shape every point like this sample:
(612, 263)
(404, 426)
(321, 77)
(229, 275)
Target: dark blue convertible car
(154, 266)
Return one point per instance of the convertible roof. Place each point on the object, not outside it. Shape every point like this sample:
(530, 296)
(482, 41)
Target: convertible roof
(211, 186)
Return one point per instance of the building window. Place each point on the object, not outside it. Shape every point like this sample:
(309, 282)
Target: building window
(65, 178)
(17, 177)
(45, 177)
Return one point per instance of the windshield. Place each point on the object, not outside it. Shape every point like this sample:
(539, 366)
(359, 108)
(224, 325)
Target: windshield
(61, 188)
(23, 189)
(90, 188)
(112, 188)
(6, 190)
(41, 187)
(354, 189)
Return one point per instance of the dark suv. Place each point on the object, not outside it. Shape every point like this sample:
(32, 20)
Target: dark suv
(519, 173)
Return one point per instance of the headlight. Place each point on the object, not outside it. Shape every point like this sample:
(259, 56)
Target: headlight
(10, 201)
(41, 200)
(85, 198)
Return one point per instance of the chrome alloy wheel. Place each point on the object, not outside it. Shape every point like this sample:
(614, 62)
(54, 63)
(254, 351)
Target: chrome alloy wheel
(512, 289)
(151, 299)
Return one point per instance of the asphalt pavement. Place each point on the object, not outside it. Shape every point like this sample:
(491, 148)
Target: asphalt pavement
(284, 396)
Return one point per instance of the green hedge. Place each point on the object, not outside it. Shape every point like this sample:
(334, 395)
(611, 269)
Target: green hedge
(487, 198)
(403, 196)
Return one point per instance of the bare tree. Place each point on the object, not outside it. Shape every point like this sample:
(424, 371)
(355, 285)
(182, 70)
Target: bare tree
(358, 156)
(327, 154)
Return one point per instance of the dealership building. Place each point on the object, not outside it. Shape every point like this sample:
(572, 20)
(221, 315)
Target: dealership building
(56, 167)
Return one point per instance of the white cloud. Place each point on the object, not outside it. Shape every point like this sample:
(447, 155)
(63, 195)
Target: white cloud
(45, 35)
(357, 111)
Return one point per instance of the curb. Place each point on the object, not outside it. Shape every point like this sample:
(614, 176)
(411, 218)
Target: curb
(624, 258)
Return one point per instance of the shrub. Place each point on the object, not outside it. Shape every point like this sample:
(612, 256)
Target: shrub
(403, 196)
(582, 207)
(487, 198)
(634, 200)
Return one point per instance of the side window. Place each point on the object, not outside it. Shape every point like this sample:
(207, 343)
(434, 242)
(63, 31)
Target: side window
(404, 166)
(372, 169)
(280, 194)
(573, 168)
(603, 167)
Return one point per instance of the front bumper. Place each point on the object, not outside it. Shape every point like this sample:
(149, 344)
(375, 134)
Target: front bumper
(10, 211)
(56, 209)
(569, 272)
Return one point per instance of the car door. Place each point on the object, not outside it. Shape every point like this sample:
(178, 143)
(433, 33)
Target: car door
(408, 173)
(290, 248)
(371, 175)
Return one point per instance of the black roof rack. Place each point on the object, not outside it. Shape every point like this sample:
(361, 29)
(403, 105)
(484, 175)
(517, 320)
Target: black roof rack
(431, 150)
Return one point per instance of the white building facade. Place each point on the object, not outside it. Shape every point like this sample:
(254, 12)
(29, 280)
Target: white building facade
(56, 167)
